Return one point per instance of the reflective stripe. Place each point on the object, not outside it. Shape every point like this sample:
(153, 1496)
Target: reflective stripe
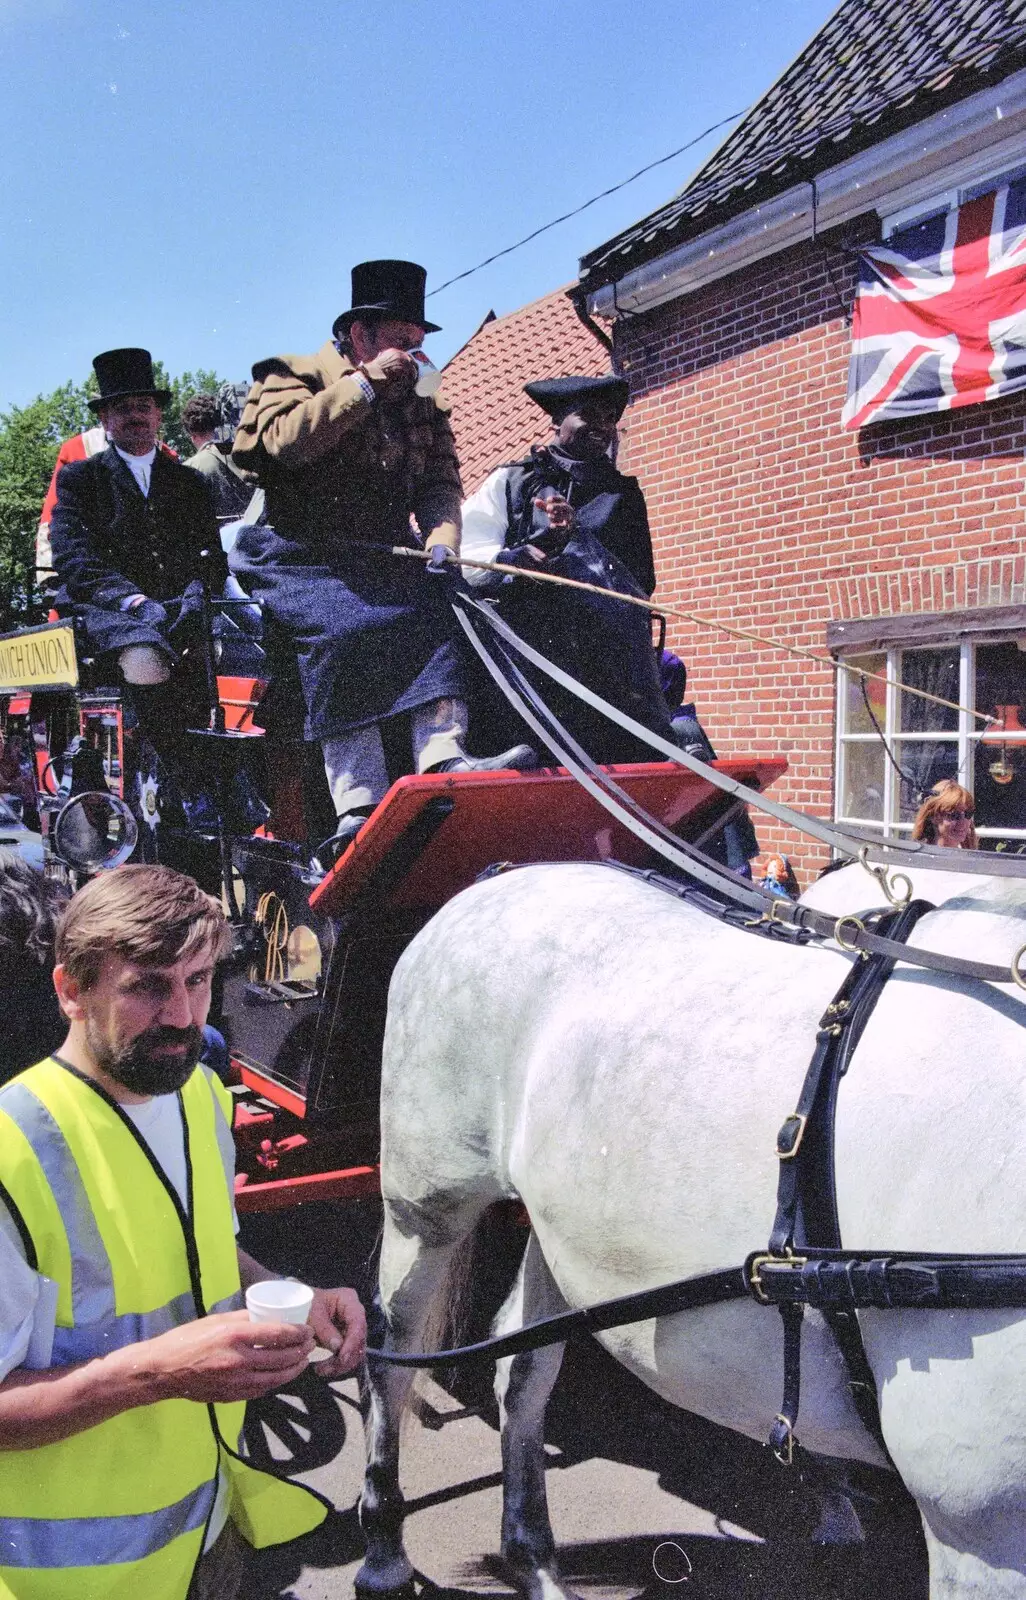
(90, 1339)
(92, 1281)
(44, 1542)
(114, 1333)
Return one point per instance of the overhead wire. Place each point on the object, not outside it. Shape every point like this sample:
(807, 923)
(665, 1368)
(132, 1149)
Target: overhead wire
(713, 128)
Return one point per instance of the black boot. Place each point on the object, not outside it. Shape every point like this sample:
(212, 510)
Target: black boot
(521, 758)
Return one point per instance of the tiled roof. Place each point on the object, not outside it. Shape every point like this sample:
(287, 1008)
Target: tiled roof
(493, 420)
(875, 67)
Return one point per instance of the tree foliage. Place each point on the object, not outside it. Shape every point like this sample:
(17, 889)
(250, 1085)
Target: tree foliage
(30, 437)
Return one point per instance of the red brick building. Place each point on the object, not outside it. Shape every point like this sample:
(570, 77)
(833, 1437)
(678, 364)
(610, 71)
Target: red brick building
(900, 545)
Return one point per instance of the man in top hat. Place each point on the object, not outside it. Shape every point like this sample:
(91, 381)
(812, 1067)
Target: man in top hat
(346, 452)
(566, 509)
(134, 538)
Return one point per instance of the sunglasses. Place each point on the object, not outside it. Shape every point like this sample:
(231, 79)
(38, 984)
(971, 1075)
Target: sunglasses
(956, 816)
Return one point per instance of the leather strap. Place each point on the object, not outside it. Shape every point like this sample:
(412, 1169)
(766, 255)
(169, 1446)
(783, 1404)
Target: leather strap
(856, 938)
(850, 840)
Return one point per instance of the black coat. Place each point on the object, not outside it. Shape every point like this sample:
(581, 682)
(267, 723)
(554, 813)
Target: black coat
(608, 504)
(110, 541)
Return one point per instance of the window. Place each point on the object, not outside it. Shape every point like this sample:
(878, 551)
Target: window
(927, 742)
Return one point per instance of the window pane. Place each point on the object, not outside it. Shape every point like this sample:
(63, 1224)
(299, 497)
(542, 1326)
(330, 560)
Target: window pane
(1001, 683)
(922, 764)
(1000, 776)
(862, 781)
(936, 671)
(857, 718)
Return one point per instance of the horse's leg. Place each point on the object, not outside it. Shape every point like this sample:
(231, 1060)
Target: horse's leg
(416, 1256)
(523, 1384)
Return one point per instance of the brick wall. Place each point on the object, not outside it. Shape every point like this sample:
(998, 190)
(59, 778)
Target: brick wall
(767, 515)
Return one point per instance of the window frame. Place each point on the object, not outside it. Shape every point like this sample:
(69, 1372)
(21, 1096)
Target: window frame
(965, 737)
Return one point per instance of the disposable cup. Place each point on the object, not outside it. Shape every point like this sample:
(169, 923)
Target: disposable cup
(279, 1300)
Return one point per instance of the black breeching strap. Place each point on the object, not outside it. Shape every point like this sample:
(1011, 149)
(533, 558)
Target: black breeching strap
(806, 1214)
(707, 1289)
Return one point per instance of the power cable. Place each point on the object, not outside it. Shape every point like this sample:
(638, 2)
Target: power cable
(593, 201)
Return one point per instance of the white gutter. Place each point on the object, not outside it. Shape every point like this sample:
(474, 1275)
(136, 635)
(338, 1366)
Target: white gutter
(979, 138)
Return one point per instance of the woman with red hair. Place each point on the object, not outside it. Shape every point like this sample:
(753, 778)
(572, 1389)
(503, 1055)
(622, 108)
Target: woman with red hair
(946, 817)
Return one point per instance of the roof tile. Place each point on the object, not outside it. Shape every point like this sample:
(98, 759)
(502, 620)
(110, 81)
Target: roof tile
(871, 69)
(492, 418)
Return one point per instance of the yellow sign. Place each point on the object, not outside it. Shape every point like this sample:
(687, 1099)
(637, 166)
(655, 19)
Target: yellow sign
(38, 658)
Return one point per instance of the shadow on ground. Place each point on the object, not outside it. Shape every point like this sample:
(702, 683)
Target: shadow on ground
(598, 1411)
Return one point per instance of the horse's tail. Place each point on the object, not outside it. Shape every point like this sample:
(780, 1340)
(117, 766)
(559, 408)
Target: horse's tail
(481, 1271)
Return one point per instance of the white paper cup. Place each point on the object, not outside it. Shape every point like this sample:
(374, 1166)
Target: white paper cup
(279, 1300)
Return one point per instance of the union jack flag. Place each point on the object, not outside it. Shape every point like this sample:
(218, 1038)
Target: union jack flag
(940, 317)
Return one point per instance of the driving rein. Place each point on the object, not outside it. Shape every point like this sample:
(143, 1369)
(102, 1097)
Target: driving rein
(804, 1263)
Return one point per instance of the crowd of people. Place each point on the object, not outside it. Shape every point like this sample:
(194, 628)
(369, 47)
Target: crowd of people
(338, 454)
(125, 1353)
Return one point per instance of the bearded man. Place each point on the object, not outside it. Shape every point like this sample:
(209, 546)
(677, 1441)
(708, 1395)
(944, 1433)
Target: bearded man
(125, 1356)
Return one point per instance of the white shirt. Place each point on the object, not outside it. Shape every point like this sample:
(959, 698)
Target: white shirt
(485, 516)
(159, 1121)
(141, 467)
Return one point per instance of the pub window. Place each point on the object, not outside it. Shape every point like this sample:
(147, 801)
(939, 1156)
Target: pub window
(892, 746)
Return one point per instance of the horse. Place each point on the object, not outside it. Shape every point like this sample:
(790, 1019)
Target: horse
(573, 1037)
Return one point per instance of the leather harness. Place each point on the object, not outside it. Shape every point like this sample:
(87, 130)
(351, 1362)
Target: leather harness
(804, 1263)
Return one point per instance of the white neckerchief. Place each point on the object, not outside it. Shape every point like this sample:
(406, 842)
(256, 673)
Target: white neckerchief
(141, 467)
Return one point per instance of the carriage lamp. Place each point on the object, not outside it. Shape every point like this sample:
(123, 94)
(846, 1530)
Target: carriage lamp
(1001, 769)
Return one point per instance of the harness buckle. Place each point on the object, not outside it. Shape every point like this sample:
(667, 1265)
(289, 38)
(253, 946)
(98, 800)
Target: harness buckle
(783, 1447)
(850, 945)
(791, 1134)
(754, 1276)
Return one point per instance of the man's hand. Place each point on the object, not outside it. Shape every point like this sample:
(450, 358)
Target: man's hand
(339, 1323)
(559, 512)
(393, 374)
(226, 1357)
(551, 541)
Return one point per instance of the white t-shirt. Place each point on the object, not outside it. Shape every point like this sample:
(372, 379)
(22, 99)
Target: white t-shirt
(159, 1121)
(141, 467)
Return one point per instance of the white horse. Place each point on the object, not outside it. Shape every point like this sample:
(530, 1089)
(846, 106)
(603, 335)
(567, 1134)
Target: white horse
(848, 890)
(621, 1062)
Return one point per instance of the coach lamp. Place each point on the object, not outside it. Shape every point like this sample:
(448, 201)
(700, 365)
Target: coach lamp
(94, 831)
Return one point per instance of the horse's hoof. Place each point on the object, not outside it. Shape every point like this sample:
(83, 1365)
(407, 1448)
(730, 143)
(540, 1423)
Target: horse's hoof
(394, 1582)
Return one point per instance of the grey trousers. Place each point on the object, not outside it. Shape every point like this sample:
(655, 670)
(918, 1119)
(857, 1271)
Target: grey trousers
(355, 762)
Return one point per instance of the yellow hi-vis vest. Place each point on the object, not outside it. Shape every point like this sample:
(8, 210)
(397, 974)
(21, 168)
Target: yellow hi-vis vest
(119, 1511)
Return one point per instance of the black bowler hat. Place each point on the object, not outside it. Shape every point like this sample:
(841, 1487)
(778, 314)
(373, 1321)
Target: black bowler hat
(391, 289)
(124, 372)
(557, 396)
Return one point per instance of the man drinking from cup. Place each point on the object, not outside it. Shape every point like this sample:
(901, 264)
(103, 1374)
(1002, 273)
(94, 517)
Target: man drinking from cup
(348, 445)
(126, 1357)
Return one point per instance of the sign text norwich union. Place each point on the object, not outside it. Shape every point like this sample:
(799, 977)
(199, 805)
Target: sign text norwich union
(42, 660)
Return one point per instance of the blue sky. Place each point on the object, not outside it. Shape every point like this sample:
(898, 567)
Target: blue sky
(199, 178)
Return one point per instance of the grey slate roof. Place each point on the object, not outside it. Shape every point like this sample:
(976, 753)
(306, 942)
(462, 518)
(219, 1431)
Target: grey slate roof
(875, 67)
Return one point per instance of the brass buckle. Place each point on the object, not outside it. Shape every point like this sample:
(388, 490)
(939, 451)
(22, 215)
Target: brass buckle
(786, 1460)
(1017, 972)
(755, 1278)
(789, 1155)
(852, 948)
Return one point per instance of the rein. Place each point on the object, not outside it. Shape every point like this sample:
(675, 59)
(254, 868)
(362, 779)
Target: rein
(850, 932)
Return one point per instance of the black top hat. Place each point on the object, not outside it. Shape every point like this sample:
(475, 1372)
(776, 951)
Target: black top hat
(392, 289)
(124, 372)
(557, 396)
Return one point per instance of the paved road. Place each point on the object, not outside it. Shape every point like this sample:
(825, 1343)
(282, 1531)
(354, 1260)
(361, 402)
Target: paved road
(644, 1500)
